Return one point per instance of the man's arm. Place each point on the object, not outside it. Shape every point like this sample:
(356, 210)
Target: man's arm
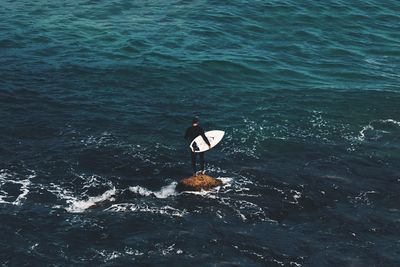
(205, 137)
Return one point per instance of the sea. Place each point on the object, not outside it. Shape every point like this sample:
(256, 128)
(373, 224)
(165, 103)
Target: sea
(95, 98)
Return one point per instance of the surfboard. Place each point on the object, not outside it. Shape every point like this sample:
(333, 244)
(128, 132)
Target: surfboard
(214, 137)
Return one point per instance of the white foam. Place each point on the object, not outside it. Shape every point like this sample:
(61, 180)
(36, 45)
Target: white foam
(226, 181)
(361, 136)
(77, 206)
(363, 198)
(391, 121)
(109, 255)
(140, 190)
(168, 250)
(203, 193)
(93, 180)
(164, 192)
(60, 192)
(165, 210)
(296, 196)
(25, 190)
(34, 246)
(104, 139)
(9, 177)
(133, 252)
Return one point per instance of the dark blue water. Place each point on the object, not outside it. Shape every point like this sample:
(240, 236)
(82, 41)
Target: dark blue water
(95, 97)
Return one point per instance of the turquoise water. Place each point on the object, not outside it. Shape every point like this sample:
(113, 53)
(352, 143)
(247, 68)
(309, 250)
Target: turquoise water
(95, 98)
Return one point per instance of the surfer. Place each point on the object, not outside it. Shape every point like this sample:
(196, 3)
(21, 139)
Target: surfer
(191, 133)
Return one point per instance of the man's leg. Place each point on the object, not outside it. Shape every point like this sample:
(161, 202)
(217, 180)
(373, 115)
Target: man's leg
(194, 162)
(202, 161)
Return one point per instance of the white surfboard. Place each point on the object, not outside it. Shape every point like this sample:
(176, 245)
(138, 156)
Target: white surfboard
(214, 137)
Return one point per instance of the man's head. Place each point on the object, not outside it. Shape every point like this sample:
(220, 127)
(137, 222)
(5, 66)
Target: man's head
(195, 121)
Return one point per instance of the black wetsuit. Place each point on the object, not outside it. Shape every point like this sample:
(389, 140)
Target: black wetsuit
(191, 133)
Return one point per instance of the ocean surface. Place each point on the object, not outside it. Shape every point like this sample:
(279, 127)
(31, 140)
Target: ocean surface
(95, 97)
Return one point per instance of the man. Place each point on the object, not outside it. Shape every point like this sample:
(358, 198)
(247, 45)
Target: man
(191, 133)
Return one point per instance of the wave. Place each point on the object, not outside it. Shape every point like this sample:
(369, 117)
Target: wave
(376, 129)
(391, 121)
(78, 202)
(78, 206)
(164, 192)
(361, 136)
(235, 197)
(163, 210)
(22, 186)
(162, 249)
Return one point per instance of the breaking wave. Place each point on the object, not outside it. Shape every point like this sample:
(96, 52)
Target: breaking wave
(14, 187)
(77, 206)
(164, 192)
(377, 129)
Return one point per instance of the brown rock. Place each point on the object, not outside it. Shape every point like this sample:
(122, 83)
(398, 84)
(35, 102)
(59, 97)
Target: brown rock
(198, 183)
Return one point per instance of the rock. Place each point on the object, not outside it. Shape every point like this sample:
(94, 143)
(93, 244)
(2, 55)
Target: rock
(198, 183)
